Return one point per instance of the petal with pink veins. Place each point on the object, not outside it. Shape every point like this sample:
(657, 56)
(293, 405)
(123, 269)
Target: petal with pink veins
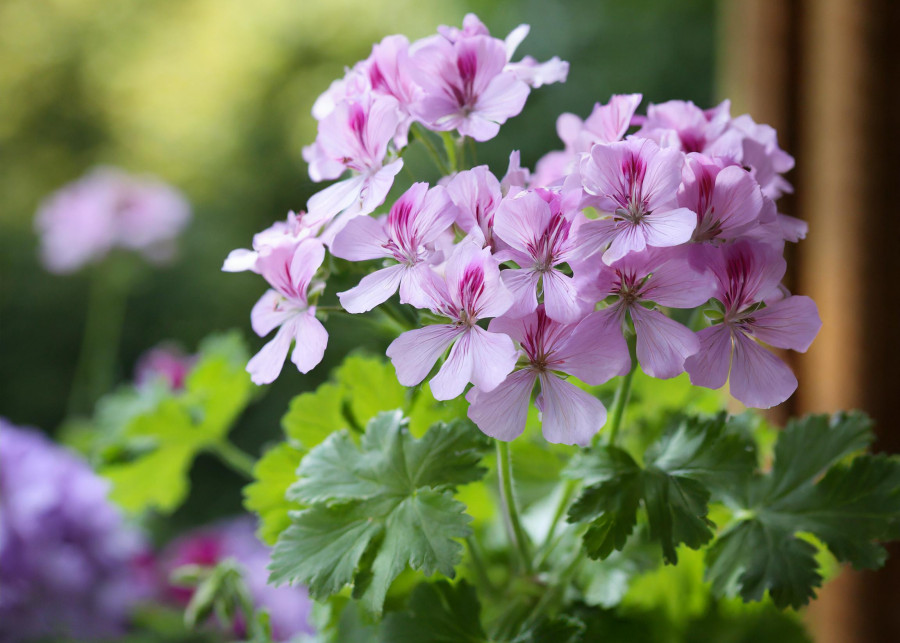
(790, 323)
(414, 352)
(662, 344)
(709, 366)
(595, 350)
(502, 413)
(569, 415)
(758, 378)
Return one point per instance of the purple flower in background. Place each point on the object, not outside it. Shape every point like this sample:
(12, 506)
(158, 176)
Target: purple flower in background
(165, 363)
(407, 235)
(635, 182)
(289, 607)
(106, 209)
(569, 415)
(471, 290)
(755, 310)
(70, 565)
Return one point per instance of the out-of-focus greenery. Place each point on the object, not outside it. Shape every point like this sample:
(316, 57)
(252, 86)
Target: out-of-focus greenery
(214, 96)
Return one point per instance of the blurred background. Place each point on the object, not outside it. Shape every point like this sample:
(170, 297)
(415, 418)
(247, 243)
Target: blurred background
(214, 96)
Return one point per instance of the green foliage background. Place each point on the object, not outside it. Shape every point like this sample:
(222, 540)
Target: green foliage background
(214, 96)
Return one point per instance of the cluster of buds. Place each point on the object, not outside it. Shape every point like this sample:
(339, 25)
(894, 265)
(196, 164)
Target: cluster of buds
(530, 280)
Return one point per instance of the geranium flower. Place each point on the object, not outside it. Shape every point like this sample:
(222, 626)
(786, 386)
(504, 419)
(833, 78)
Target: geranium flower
(289, 269)
(635, 182)
(748, 276)
(470, 291)
(418, 218)
(569, 415)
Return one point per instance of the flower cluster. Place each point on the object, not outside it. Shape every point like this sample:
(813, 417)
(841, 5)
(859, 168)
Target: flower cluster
(106, 209)
(289, 608)
(662, 247)
(71, 567)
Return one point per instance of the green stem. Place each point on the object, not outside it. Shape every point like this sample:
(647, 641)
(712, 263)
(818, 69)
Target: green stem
(95, 369)
(450, 149)
(422, 135)
(238, 460)
(514, 525)
(549, 544)
(555, 592)
(479, 565)
(623, 392)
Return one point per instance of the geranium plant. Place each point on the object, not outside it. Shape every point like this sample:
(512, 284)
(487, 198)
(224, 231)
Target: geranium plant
(543, 448)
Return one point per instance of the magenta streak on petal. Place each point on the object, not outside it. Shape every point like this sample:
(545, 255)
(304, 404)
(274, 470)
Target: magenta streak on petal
(545, 250)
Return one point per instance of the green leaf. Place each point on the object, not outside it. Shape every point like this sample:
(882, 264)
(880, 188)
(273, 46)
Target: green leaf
(370, 386)
(437, 613)
(312, 417)
(694, 456)
(378, 507)
(274, 473)
(849, 507)
(560, 629)
(156, 447)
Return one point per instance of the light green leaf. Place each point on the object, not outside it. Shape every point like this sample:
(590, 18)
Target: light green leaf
(274, 473)
(312, 417)
(378, 507)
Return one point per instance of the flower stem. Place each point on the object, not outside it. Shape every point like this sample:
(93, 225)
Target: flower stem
(236, 459)
(450, 149)
(623, 392)
(422, 135)
(514, 525)
(95, 369)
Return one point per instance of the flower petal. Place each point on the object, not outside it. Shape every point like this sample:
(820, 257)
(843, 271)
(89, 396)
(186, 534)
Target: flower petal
(662, 344)
(415, 351)
(495, 356)
(502, 413)
(758, 378)
(374, 289)
(595, 350)
(561, 298)
(790, 323)
(311, 338)
(363, 238)
(265, 366)
(569, 415)
(709, 366)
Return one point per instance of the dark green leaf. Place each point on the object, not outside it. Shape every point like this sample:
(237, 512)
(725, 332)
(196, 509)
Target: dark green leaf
(437, 613)
(848, 507)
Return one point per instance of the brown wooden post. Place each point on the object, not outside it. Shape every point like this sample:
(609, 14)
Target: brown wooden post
(826, 73)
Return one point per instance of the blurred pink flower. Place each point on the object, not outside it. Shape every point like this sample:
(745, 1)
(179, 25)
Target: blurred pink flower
(106, 209)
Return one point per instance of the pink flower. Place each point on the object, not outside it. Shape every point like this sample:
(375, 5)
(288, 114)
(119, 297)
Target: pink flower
(389, 68)
(354, 136)
(684, 126)
(606, 124)
(760, 152)
(166, 363)
(406, 235)
(477, 194)
(296, 228)
(540, 234)
(289, 269)
(569, 415)
(106, 209)
(663, 277)
(636, 183)
(470, 291)
(749, 276)
(516, 177)
(726, 199)
(465, 86)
